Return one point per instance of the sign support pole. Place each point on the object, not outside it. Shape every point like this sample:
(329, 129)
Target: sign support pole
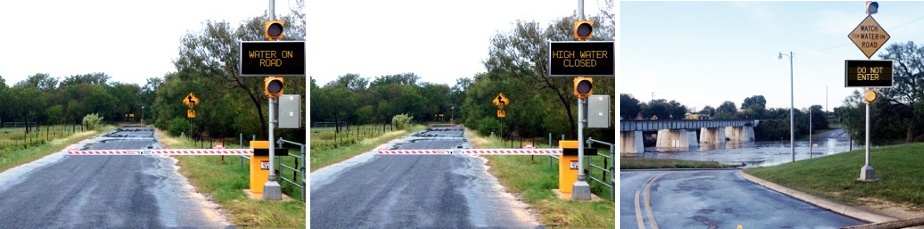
(867, 173)
(271, 189)
(580, 189)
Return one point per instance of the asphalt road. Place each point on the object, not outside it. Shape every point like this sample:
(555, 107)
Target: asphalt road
(401, 191)
(713, 199)
(60, 191)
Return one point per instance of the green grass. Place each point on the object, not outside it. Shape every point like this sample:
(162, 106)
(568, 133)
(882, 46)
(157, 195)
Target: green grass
(900, 169)
(15, 138)
(533, 179)
(324, 156)
(225, 181)
(20, 154)
(654, 163)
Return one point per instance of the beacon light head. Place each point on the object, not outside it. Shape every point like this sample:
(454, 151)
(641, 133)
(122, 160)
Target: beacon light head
(583, 30)
(273, 86)
(273, 30)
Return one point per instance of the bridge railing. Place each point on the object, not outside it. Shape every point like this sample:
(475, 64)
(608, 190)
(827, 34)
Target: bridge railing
(654, 125)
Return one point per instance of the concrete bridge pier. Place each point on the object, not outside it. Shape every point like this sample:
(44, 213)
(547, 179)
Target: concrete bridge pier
(740, 133)
(676, 138)
(712, 135)
(631, 142)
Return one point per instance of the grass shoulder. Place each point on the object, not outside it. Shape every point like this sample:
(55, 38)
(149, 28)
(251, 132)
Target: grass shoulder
(656, 163)
(323, 157)
(20, 156)
(834, 177)
(532, 179)
(224, 180)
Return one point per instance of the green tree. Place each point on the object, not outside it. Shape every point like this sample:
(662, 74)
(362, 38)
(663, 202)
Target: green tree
(908, 90)
(727, 110)
(522, 55)
(629, 107)
(213, 53)
(708, 110)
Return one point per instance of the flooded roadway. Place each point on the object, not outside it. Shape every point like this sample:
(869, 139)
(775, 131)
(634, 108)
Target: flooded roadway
(757, 154)
(68, 191)
(427, 191)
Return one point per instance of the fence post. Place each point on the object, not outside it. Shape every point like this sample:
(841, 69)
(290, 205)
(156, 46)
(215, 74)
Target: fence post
(550, 146)
(240, 145)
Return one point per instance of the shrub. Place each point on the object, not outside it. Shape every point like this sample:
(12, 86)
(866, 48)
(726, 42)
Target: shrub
(401, 121)
(487, 125)
(177, 126)
(91, 121)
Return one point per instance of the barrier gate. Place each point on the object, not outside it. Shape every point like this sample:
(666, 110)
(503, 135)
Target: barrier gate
(567, 170)
(259, 159)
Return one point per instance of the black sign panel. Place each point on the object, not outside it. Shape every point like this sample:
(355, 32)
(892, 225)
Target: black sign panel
(272, 58)
(581, 58)
(868, 73)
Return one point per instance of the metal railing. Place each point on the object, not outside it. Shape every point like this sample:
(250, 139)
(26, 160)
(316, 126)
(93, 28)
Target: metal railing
(609, 166)
(298, 168)
(298, 172)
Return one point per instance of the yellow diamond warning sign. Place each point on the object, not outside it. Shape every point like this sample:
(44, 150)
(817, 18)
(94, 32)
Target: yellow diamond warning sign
(191, 100)
(869, 36)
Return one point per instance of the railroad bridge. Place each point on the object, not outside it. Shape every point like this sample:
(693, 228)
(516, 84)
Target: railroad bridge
(682, 133)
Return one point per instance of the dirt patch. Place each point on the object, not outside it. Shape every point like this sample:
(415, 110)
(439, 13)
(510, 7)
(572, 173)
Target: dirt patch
(885, 207)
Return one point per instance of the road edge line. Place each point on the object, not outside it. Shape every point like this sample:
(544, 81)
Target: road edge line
(842, 209)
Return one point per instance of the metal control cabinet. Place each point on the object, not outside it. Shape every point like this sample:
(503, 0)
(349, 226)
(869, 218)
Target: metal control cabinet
(290, 112)
(598, 111)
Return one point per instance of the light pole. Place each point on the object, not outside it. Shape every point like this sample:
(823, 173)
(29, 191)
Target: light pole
(452, 114)
(792, 105)
(142, 114)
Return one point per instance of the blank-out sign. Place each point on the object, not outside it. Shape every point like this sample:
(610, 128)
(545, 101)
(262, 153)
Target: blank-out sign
(574, 165)
(264, 165)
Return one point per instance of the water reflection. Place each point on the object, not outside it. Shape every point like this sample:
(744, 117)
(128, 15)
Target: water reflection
(750, 154)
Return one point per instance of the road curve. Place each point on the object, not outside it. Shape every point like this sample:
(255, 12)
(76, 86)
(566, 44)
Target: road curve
(401, 191)
(61, 191)
(713, 199)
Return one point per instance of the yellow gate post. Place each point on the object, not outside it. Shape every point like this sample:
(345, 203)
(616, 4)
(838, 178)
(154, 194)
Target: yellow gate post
(567, 166)
(259, 165)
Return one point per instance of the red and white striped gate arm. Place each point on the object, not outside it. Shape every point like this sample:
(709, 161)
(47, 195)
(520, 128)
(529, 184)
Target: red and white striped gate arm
(510, 151)
(385, 151)
(416, 152)
(163, 152)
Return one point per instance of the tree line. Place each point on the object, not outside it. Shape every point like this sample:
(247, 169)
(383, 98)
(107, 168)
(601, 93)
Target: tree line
(354, 99)
(49, 100)
(774, 122)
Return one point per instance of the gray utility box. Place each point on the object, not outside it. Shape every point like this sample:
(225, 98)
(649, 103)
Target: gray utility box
(290, 112)
(598, 111)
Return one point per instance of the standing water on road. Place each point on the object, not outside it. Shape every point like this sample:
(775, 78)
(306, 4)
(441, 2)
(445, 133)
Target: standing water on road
(756, 154)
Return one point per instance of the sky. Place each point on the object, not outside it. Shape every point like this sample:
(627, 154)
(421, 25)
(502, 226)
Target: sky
(704, 53)
(375, 38)
(128, 40)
